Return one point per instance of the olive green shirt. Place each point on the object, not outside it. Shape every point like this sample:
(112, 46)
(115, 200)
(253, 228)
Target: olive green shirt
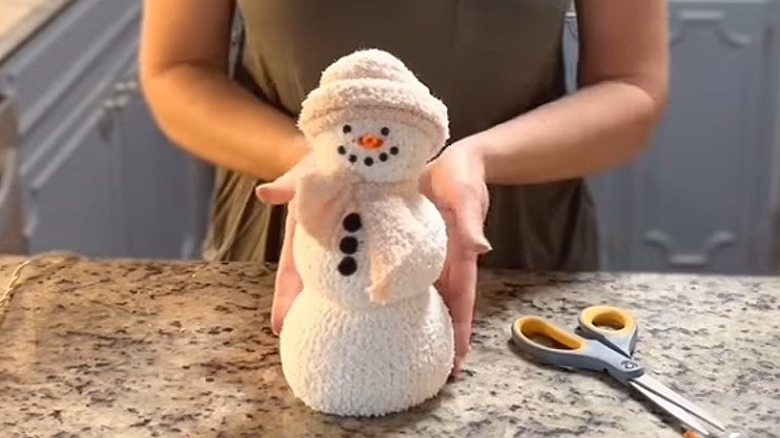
(488, 60)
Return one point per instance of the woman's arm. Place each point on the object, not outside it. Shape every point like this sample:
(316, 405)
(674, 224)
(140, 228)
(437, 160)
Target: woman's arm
(607, 122)
(184, 74)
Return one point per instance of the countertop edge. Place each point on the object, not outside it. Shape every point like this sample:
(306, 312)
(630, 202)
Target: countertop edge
(9, 262)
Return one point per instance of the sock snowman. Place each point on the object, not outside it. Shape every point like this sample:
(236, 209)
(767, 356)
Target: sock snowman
(368, 335)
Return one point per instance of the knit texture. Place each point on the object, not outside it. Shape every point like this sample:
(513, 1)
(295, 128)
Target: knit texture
(369, 335)
(369, 80)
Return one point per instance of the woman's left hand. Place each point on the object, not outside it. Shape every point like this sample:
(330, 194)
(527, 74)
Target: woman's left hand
(455, 183)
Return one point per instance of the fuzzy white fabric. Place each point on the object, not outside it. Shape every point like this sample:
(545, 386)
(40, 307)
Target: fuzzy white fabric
(372, 85)
(344, 354)
(369, 335)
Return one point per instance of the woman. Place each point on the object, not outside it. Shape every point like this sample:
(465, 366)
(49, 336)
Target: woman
(495, 63)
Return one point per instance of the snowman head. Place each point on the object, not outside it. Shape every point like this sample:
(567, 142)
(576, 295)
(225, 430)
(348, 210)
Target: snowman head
(373, 117)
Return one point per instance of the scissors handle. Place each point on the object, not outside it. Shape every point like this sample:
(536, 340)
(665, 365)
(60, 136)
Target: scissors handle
(550, 344)
(610, 325)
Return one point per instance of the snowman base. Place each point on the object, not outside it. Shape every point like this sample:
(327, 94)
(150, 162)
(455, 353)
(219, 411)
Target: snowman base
(366, 362)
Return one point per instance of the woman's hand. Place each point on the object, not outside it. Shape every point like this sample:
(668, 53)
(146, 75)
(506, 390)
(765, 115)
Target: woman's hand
(455, 183)
(288, 283)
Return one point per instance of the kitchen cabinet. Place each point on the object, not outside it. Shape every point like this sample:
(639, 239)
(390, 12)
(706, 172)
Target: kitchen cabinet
(701, 198)
(157, 181)
(73, 202)
(97, 175)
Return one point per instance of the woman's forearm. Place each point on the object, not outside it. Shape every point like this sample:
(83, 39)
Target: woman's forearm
(623, 73)
(591, 130)
(206, 113)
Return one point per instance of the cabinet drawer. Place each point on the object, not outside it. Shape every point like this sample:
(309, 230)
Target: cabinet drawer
(65, 62)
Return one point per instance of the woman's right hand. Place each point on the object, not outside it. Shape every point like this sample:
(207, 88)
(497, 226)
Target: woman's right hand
(288, 283)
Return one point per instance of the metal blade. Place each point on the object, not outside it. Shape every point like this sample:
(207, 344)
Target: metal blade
(665, 392)
(689, 420)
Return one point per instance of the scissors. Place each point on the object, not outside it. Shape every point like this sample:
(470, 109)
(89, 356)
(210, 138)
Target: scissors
(604, 340)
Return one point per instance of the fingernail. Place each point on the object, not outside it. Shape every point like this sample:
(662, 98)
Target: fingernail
(459, 364)
(484, 247)
(455, 372)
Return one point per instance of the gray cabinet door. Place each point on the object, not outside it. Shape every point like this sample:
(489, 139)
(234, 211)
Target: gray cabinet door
(698, 199)
(69, 144)
(153, 181)
(165, 190)
(72, 202)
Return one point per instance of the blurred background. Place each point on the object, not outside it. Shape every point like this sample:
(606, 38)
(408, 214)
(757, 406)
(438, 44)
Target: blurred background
(83, 166)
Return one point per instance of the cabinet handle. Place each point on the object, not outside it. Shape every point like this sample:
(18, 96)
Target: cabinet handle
(119, 100)
(106, 122)
(689, 259)
(128, 86)
(110, 107)
(110, 104)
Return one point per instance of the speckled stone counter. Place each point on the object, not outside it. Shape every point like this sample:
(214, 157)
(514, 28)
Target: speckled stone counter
(143, 349)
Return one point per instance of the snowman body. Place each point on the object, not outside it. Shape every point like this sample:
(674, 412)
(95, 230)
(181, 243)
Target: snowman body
(369, 334)
(343, 354)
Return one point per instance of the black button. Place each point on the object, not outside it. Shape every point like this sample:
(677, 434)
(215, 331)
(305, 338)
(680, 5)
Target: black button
(348, 245)
(352, 158)
(394, 150)
(348, 266)
(369, 161)
(352, 222)
(342, 150)
(346, 129)
(383, 157)
(385, 131)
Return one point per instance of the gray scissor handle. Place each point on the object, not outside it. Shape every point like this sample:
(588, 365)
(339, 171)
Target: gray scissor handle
(552, 345)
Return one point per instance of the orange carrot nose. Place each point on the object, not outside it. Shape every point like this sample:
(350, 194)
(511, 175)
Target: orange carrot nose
(369, 141)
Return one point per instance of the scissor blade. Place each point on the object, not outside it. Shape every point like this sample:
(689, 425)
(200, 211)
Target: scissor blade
(670, 396)
(681, 414)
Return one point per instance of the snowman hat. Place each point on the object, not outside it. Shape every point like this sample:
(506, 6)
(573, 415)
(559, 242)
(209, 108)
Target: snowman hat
(374, 84)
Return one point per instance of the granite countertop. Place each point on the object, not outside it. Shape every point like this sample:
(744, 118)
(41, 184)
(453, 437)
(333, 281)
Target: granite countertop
(144, 349)
(20, 19)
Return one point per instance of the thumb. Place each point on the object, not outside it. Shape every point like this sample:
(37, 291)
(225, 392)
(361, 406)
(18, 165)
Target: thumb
(282, 189)
(275, 193)
(469, 213)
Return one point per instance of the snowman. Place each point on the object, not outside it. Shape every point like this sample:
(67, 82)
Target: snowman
(369, 334)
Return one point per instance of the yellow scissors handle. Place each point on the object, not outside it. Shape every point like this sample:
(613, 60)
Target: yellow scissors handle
(615, 318)
(610, 325)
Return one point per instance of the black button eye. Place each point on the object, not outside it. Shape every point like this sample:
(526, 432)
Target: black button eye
(347, 129)
(385, 131)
